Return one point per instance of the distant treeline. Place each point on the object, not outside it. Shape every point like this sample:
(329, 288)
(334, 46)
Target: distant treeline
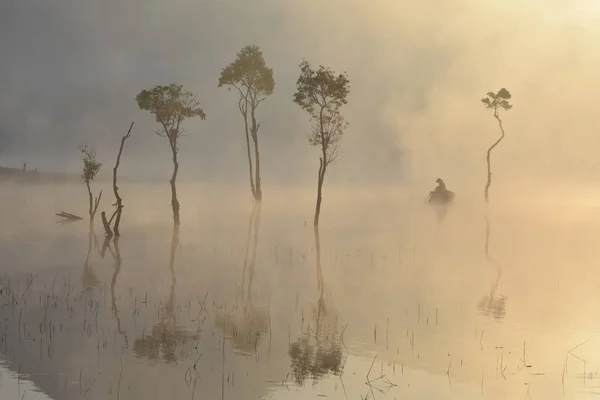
(25, 176)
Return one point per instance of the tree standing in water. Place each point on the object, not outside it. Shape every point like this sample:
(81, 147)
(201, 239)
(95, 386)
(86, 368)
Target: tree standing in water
(251, 77)
(171, 105)
(91, 167)
(119, 201)
(495, 102)
(322, 93)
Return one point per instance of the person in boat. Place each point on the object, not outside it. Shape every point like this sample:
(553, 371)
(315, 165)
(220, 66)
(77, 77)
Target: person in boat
(441, 187)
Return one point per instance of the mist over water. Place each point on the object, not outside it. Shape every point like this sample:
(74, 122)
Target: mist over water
(397, 290)
(391, 297)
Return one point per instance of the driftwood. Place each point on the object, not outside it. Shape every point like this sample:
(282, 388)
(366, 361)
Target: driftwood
(69, 216)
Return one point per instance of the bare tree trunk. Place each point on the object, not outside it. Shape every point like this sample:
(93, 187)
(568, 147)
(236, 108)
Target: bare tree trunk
(322, 169)
(119, 202)
(93, 203)
(107, 229)
(255, 126)
(258, 196)
(91, 209)
(321, 178)
(96, 204)
(250, 169)
(174, 201)
(320, 279)
(489, 154)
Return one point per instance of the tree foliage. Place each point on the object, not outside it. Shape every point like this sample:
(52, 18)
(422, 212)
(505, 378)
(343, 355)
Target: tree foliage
(249, 74)
(322, 93)
(91, 166)
(496, 101)
(171, 105)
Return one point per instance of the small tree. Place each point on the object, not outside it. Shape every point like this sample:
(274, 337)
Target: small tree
(171, 105)
(495, 102)
(251, 77)
(321, 93)
(91, 167)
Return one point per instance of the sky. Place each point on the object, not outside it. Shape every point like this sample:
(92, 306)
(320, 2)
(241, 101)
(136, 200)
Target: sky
(71, 69)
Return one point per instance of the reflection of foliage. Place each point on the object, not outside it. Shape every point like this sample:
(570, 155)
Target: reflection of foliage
(492, 306)
(245, 328)
(167, 341)
(315, 354)
(313, 357)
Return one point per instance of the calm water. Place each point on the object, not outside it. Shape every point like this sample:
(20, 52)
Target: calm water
(390, 300)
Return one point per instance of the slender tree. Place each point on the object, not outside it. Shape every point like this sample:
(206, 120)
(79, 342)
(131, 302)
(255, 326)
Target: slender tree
(495, 102)
(253, 80)
(322, 93)
(91, 167)
(171, 105)
(119, 201)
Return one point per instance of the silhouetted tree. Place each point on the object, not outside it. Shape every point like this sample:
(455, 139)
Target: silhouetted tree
(495, 102)
(251, 77)
(321, 93)
(91, 167)
(119, 201)
(171, 105)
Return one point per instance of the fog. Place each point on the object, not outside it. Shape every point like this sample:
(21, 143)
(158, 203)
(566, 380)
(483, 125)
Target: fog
(71, 71)
(250, 302)
(394, 282)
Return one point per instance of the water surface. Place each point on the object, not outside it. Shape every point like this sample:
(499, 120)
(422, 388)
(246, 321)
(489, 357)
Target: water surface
(389, 299)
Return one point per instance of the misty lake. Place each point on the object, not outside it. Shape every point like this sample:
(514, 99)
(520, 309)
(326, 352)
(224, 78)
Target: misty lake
(391, 299)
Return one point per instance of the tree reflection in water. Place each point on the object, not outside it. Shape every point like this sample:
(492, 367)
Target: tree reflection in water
(167, 340)
(319, 352)
(246, 322)
(89, 278)
(492, 305)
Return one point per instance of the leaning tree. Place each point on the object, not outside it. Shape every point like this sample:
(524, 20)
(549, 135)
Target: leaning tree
(495, 102)
(321, 93)
(253, 80)
(171, 105)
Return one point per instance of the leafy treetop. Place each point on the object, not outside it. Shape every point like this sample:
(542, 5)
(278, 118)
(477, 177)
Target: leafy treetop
(91, 167)
(170, 106)
(496, 101)
(249, 71)
(320, 89)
